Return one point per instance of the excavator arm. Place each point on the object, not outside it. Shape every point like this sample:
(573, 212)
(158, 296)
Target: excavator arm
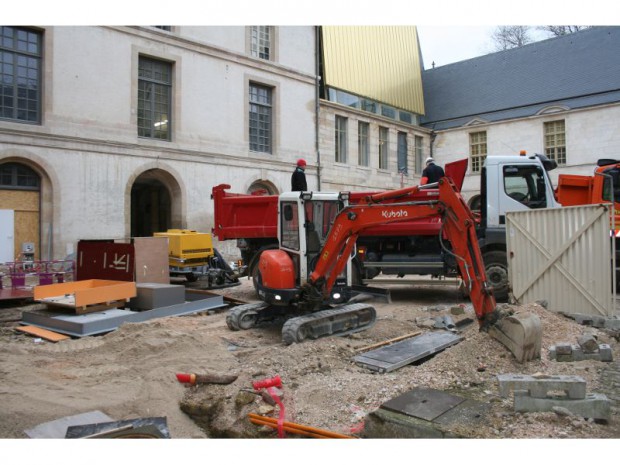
(458, 225)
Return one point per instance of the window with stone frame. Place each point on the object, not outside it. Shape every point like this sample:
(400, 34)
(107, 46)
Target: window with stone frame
(402, 149)
(363, 147)
(477, 150)
(154, 98)
(20, 74)
(340, 151)
(419, 154)
(261, 118)
(555, 141)
(261, 38)
(384, 134)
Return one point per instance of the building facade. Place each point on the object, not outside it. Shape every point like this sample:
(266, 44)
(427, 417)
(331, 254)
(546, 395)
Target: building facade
(115, 132)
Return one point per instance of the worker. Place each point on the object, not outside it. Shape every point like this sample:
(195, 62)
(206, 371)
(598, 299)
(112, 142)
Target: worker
(432, 173)
(298, 179)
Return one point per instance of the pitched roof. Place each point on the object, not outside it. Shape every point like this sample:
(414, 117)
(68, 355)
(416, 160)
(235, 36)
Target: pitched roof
(575, 70)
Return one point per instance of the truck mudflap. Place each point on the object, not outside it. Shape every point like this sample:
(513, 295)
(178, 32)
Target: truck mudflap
(521, 333)
(338, 321)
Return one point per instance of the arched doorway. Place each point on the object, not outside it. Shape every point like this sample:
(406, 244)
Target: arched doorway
(151, 204)
(20, 206)
(262, 186)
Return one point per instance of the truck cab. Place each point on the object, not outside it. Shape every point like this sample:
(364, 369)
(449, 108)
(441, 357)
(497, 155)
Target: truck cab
(512, 183)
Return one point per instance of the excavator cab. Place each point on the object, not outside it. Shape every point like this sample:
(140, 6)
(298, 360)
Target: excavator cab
(304, 222)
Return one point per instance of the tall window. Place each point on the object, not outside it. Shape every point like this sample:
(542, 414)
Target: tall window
(260, 42)
(477, 150)
(555, 141)
(418, 154)
(363, 148)
(20, 74)
(261, 110)
(384, 135)
(341, 139)
(154, 98)
(402, 152)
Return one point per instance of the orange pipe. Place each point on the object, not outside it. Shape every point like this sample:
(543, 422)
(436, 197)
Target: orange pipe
(310, 429)
(288, 429)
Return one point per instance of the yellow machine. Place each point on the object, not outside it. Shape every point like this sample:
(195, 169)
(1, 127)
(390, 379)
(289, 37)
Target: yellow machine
(191, 255)
(188, 248)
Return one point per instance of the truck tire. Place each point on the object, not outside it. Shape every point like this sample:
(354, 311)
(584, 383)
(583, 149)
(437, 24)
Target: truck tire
(496, 268)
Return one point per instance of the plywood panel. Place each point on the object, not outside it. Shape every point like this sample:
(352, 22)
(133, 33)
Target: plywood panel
(26, 207)
(152, 260)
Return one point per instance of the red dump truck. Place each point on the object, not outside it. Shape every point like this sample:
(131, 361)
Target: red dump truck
(415, 247)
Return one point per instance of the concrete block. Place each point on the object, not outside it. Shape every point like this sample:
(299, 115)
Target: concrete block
(588, 343)
(564, 349)
(595, 406)
(612, 323)
(155, 295)
(603, 354)
(539, 386)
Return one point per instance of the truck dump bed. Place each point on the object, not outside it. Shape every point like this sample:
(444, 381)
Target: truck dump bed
(245, 216)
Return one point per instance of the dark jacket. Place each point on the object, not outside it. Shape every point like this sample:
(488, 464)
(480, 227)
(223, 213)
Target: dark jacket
(433, 173)
(298, 180)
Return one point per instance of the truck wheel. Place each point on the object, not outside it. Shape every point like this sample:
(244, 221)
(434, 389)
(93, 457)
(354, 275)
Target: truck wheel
(496, 268)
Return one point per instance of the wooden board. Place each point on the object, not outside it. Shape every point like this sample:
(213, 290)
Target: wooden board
(151, 260)
(43, 333)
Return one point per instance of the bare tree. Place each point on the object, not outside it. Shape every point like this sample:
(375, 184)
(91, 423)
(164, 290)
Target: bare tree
(506, 37)
(557, 31)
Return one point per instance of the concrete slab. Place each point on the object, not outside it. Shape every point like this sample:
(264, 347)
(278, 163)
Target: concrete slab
(392, 357)
(109, 320)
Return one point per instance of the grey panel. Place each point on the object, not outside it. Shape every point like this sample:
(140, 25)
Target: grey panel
(155, 295)
(423, 403)
(403, 353)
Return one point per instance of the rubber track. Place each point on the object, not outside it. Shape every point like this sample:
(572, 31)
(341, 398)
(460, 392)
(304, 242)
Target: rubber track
(232, 319)
(315, 320)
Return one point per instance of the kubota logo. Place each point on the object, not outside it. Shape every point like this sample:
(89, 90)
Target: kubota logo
(392, 214)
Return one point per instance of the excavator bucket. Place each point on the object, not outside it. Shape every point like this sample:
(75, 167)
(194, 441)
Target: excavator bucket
(521, 333)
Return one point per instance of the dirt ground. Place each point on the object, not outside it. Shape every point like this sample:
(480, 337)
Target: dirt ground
(130, 373)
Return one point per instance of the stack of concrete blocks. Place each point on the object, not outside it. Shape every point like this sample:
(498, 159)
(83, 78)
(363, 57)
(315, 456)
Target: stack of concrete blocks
(597, 321)
(587, 349)
(535, 394)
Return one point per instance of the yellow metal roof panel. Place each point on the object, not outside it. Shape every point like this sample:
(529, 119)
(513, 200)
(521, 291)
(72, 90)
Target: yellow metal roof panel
(379, 62)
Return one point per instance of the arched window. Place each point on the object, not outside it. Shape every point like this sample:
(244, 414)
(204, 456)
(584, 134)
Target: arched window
(17, 176)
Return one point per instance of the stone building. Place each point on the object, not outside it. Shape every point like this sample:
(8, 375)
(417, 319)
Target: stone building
(559, 97)
(114, 132)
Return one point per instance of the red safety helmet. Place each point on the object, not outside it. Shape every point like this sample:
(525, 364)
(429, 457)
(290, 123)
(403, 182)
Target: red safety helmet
(301, 162)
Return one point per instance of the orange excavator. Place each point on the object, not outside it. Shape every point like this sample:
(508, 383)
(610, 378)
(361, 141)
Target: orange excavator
(308, 279)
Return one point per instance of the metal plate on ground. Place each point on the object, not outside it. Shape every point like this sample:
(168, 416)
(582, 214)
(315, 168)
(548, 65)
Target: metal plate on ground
(403, 353)
(139, 428)
(423, 403)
